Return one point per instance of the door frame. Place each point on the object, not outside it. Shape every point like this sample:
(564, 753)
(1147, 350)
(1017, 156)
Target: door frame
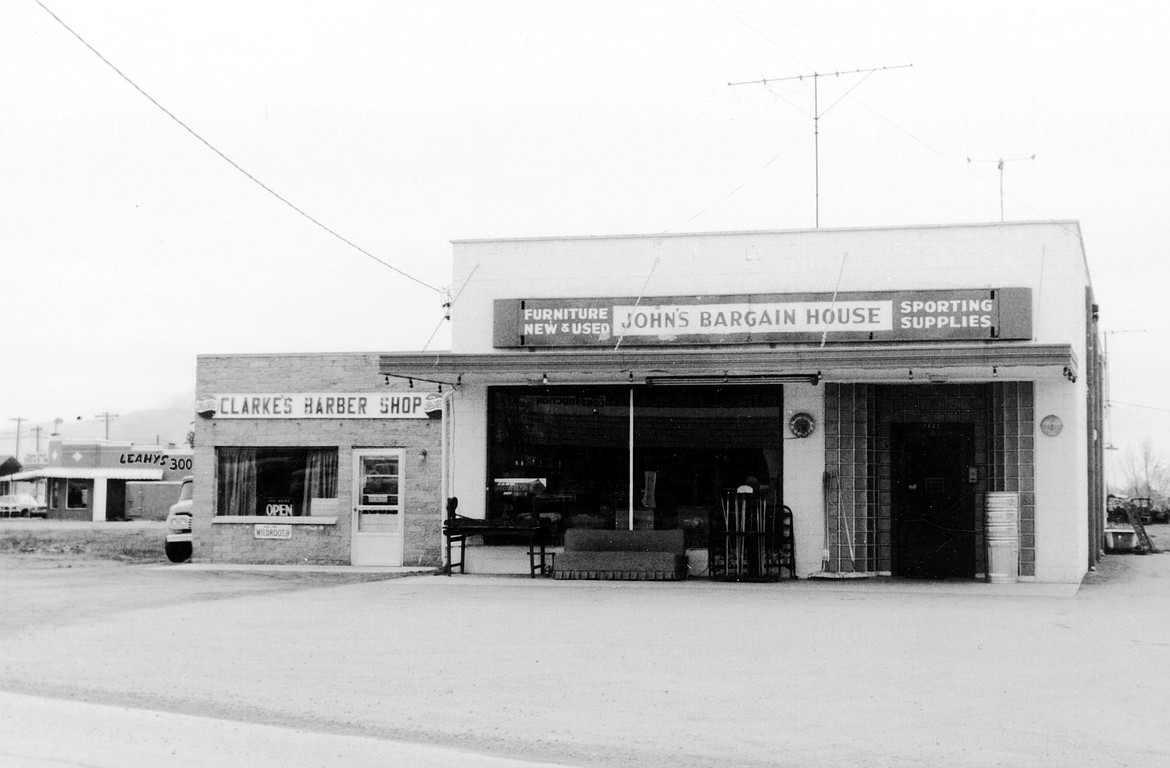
(362, 545)
(967, 498)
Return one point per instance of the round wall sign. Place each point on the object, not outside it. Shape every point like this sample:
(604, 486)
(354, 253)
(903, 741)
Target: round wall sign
(801, 425)
(1051, 425)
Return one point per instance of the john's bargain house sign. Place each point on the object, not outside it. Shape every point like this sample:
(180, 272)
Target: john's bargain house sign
(985, 314)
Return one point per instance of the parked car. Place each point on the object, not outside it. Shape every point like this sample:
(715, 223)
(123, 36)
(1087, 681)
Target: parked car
(178, 546)
(21, 505)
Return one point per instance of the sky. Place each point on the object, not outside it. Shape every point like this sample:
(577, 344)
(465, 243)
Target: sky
(293, 176)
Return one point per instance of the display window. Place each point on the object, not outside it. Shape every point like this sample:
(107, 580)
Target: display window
(274, 482)
(77, 494)
(577, 456)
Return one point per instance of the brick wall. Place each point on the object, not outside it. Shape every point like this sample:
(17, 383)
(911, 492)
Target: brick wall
(319, 544)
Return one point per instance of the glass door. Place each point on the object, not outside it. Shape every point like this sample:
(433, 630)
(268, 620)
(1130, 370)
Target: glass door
(377, 507)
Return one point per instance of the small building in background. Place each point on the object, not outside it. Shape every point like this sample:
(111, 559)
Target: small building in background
(100, 480)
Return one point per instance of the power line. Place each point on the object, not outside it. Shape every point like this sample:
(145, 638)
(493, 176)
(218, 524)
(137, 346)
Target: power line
(1138, 405)
(231, 162)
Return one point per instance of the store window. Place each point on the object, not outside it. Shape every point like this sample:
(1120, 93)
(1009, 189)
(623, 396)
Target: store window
(77, 494)
(274, 482)
(571, 454)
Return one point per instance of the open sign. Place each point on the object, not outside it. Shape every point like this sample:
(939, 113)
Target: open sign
(279, 507)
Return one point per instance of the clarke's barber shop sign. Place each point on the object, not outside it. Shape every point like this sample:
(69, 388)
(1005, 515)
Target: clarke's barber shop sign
(333, 405)
(985, 314)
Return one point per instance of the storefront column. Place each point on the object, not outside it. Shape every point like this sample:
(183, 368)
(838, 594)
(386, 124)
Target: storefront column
(99, 499)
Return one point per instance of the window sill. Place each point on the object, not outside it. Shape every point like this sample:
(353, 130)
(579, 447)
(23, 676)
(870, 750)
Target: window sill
(265, 520)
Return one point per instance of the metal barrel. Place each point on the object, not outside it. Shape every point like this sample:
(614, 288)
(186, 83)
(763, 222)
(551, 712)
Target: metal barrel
(1003, 537)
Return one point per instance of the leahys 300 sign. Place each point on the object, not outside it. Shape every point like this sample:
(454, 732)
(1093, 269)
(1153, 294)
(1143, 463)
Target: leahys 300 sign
(999, 313)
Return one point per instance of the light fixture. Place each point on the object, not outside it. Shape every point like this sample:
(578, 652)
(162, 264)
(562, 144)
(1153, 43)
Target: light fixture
(911, 375)
(994, 371)
(411, 382)
(544, 379)
(762, 378)
(801, 425)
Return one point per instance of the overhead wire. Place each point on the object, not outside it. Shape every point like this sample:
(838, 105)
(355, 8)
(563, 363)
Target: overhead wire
(231, 162)
(448, 306)
(1138, 405)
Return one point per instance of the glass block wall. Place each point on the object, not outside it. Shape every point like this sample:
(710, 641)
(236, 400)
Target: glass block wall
(859, 461)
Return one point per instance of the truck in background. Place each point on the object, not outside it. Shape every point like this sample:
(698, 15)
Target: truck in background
(178, 546)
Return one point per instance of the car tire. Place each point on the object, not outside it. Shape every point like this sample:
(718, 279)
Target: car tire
(178, 551)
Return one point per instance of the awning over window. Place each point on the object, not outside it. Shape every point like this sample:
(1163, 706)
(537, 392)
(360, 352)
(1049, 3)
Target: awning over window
(88, 473)
(854, 363)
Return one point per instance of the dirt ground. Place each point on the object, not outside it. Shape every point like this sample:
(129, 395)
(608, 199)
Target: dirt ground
(617, 674)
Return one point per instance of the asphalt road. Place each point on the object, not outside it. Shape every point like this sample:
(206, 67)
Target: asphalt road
(301, 668)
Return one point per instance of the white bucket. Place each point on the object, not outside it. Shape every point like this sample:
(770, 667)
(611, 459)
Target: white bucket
(1003, 537)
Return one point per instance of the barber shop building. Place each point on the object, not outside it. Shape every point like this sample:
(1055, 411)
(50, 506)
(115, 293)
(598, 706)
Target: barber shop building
(914, 402)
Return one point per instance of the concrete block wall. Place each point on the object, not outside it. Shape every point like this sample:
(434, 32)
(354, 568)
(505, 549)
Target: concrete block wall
(150, 500)
(420, 440)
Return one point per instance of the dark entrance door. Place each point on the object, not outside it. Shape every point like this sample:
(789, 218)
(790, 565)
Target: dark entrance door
(115, 499)
(934, 505)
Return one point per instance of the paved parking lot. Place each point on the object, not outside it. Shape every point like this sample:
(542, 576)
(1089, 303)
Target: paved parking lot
(610, 673)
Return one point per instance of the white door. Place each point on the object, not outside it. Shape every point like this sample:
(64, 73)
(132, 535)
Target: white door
(377, 507)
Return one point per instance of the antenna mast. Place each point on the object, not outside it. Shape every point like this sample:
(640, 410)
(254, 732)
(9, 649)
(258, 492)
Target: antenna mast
(817, 114)
(1000, 163)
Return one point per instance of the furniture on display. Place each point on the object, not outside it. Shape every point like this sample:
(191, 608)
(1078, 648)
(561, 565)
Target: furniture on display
(531, 531)
(639, 555)
(751, 539)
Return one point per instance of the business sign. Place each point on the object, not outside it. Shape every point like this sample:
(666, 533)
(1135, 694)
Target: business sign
(279, 506)
(984, 314)
(287, 405)
(179, 461)
(264, 531)
(32, 460)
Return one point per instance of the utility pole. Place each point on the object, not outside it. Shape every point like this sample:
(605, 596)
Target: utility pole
(37, 430)
(19, 420)
(999, 164)
(1108, 404)
(107, 416)
(818, 114)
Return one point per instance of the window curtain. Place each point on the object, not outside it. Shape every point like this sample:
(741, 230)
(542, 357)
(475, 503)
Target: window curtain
(320, 478)
(237, 481)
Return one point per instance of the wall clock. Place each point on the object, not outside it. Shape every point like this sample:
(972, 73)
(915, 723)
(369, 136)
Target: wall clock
(801, 425)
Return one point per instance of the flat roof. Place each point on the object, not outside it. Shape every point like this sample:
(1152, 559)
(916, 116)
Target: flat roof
(88, 473)
(1062, 223)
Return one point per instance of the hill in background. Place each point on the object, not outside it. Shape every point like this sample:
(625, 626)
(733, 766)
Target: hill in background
(160, 426)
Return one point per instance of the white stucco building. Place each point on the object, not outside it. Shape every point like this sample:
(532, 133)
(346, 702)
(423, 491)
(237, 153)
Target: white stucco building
(879, 382)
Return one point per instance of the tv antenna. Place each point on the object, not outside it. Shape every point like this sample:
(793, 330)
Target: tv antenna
(818, 114)
(1000, 163)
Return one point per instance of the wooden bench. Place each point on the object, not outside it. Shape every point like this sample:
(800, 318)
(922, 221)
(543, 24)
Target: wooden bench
(531, 530)
(627, 555)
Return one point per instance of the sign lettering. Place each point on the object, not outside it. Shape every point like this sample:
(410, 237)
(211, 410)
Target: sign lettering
(287, 405)
(985, 314)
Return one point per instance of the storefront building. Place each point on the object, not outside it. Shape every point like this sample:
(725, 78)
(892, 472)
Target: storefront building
(100, 480)
(314, 459)
(886, 385)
